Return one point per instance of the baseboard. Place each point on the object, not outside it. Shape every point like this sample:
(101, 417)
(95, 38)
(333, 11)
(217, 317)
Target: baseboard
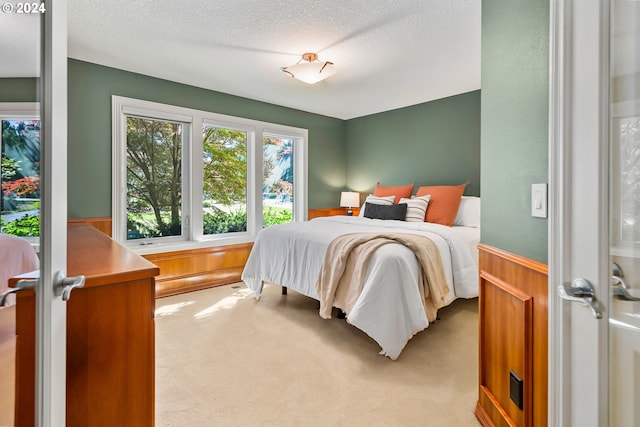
(483, 417)
(196, 282)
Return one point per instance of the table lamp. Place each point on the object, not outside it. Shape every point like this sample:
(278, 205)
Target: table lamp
(349, 199)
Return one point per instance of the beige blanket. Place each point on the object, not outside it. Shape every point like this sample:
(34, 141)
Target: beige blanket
(345, 263)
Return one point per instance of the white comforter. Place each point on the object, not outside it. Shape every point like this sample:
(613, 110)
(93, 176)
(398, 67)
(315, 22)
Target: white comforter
(389, 308)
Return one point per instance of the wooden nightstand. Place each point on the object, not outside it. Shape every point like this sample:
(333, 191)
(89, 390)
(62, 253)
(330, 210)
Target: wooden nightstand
(318, 212)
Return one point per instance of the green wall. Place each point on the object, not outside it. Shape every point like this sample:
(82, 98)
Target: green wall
(514, 135)
(18, 90)
(434, 143)
(90, 89)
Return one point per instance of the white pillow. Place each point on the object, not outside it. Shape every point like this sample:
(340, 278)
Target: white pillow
(376, 200)
(469, 212)
(416, 208)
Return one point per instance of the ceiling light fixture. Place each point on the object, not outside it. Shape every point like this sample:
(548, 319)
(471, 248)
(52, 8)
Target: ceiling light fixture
(309, 69)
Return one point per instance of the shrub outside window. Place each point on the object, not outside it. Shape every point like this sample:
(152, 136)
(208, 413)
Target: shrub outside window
(20, 169)
(189, 178)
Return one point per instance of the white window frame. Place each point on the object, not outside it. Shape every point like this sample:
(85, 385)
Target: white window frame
(220, 122)
(21, 110)
(300, 183)
(121, 227)
(193, 236)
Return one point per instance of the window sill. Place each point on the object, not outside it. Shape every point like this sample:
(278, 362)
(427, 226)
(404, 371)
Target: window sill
(160, 247)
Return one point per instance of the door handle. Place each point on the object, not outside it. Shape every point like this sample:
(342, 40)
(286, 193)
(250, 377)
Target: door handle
(64, 285)
(581, 291)
(617, 276)
(622, 294)
(20, 285)
(619, 287)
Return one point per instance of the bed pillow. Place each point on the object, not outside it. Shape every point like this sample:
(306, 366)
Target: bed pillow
(399, 192)
(416, 208)
(386, 200)
(397, 212)
(444, 202)
(469, 212)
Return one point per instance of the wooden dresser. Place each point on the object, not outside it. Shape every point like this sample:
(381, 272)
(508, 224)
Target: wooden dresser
(110, 336)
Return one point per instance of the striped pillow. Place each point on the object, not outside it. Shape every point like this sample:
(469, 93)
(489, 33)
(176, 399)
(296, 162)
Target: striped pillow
(416, 208)
(385, 200)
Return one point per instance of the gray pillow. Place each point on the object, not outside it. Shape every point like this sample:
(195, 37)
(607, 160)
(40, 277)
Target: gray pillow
(398, 212)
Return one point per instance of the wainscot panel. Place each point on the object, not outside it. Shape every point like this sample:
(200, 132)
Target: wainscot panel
(513, 340)
(102, 224)
(194, 269)
(189, 270)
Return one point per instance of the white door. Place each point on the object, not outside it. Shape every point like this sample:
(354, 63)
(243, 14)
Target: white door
(51, 311)
(594, 363)
(50, 52)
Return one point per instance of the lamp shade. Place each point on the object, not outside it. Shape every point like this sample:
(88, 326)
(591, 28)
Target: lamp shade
(349, 199)
(310, 70)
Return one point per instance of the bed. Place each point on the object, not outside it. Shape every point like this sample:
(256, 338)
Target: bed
(389, 309)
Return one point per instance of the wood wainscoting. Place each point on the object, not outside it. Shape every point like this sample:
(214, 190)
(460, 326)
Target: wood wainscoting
(512, 339)
(102, 224)
(192, 269)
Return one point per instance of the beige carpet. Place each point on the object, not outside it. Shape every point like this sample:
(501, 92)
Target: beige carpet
(225, 359)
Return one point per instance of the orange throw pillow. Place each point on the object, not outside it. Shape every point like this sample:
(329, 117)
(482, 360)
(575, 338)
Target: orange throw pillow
(400, 192)
(444, 202)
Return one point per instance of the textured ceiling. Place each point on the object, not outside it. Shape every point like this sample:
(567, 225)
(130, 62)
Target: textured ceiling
(388, 53)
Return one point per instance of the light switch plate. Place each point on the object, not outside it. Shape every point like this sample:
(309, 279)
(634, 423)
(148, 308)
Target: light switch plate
(539, 200)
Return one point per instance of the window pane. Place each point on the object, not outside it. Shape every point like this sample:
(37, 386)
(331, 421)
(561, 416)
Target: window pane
(277, 183)
(629, 159)
(154, 178)
(20, 170)
(224, 180)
